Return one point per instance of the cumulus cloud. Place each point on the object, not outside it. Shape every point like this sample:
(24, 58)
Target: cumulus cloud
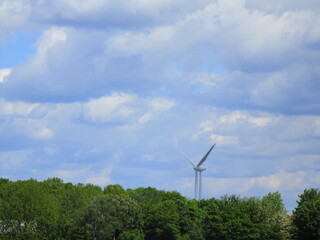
(227, 37)
(294, 89)
(156, 107)
(236, 116)
(62, 60)
(112, 14)
(258, 66)
(289, 184)
(109, 107)
(13, 15)
(49, 39)
(126, 85)
(280, 181)
(16, 108)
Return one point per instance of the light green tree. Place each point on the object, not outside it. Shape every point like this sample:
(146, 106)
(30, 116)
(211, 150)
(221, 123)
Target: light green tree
(107, 216)
(276, 224)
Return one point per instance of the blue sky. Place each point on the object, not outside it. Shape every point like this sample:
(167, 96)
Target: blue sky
(110, 92)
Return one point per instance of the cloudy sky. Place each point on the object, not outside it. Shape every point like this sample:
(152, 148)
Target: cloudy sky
(110, 92)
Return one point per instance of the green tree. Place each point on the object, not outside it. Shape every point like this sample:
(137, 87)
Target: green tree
(229, 219)
(162, 222)
(131, 235)
(275, 223)
(191, 219)
(212, 217)
(114, 189)
(107, 216)
(72, 200)
(306, 216)
(168, 215)
(28, 210)
(146, 196)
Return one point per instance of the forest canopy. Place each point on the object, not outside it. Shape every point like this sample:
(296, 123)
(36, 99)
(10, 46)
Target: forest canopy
(52, 209)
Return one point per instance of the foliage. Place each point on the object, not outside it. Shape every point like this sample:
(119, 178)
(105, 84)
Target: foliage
(131, 235)
(231, 220)
(306, 216)
(114, 189)
(231, 217)
(28, 211)
(276, 221)
(108, 215)
(53, 209)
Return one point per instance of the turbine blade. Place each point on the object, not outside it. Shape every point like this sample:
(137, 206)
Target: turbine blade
(205, 156)
(187, 158)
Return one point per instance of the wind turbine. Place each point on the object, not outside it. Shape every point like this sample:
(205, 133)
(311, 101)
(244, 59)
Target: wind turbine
(197, 171)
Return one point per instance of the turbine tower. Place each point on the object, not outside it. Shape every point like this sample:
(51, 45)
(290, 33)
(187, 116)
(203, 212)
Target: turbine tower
(197, 171)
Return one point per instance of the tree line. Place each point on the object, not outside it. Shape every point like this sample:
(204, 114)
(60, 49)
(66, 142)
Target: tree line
(52, 209)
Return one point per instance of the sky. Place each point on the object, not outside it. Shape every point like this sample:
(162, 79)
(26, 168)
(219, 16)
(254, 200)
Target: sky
(111, 91)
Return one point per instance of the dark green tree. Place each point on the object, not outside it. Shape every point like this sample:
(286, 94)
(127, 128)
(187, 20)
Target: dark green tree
(162, 222)
(306, 216)
(212, 217)
(229, 219)
(131, 235)
(191, 219)
(168, 215)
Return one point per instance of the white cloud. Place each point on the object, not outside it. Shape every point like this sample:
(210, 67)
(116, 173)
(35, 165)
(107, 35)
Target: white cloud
(4, 73)
(61, 111)
(133, 43)
(289, 184)
(229, 37)
(224, 140)
(148, 57)
(101, 178)
(44, 133)
(11, 160)
(284, 5)
(298, 127)
(88, 6)
(157, 106)
(69, 175)
(109, 108)
(16, 108)
(237, 116)
(161, 104)
(14, 14)
(232, 127)
(260, 121)
(49, 39)
(208, 79)
(280, 181)
(133, 81)
(292, 89)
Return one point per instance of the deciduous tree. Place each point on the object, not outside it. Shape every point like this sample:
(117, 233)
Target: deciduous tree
(306, 216)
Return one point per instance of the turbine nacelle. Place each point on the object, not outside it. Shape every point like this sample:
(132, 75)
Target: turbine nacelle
(199, 169)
